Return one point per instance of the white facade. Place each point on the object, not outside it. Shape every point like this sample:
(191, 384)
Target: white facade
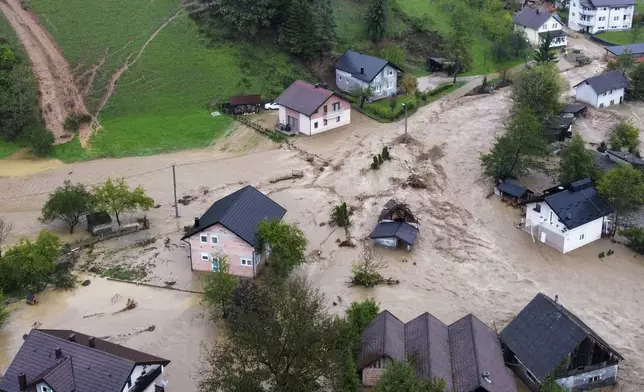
(595, 20)
(585, 93)
(545, 226)
(384, 85)
(535, 39)
(138, 369)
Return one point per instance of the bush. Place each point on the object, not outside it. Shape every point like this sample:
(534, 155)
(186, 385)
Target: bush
(385, 153)
(440, 89)
(635, 237)
(341, 215)
(4, 315)
(602, 147)
(375, 165)
(380, 160)
(39, 139)
(393, 54)
(73, 121)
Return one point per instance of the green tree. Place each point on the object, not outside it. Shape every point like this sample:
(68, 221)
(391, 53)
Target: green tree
(5, 230)
(28, 266)
(635, 237)
(635, 89)
(245, 17)
(286, 243)
(518, 43)
(377, 19)
(281, 339)
(68, 203)
(4, 314)
(359, 315)
(40, 139)
(539, 90)
(459, 42)
(363, 94)
(326, 27)
(408, 83)
(623, 188)
(576, 162)
(623, 63)
(7, 57)
(295, 33)
(625, 135)
(393, 53)
(341, 216)
(637, 33)
(400, 376)
(219, 286)
(116, 197)
(545, 54)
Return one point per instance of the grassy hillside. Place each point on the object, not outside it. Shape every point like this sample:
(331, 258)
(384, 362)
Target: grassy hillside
(160, 103)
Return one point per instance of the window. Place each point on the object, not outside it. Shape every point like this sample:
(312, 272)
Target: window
(325, 108)
(45, 389)
(391, 72)
(204, 239)
(573, 14)
(604, 8)
(581, 237)
(573, 4)
(337, 119)
(593, 379)
(601, 105)
(214, 239)
(602, 18)
(537, 207)
(336, 106)
(554, 25)
(550, 216)
(205, 256)
(324, 123)
(377, 89)
(612, 102)
(246, 261)
(616, 18)
(624, 17)
(315, 125)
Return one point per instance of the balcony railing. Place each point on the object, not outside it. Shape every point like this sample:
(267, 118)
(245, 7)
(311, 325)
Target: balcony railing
(588, 22)
(587, 12)
(333, 113)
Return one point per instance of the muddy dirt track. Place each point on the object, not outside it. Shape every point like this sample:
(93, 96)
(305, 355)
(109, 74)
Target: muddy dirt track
(59, 95)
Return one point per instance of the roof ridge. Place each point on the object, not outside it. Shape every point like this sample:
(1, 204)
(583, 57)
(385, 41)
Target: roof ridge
(476, 357)
(93, 349)
(242, 192)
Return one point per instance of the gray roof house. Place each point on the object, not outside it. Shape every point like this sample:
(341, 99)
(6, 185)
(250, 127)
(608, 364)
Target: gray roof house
(396, 226)
(537, 25)
(547, 339)
(228, 228)
(602, 90)
(67, 361)
(355, 70)
(466, 354)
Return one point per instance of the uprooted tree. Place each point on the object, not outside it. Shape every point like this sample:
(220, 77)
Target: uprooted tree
(366, 270)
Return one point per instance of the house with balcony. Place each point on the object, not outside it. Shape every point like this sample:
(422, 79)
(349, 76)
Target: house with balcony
(536, 25)
(310, 109)
(568, 216)
(57, 360)
(597, 16)
(603, 90)
(355, 70)
(545, 339)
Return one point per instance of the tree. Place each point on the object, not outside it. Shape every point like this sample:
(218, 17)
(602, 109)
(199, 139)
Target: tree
(8, 57)
(283, 340)
(326, 26)
(623, 63)
(539, 90)
(377, 19)
(219, 286)
(635, 89)
(295, 32)
(400, 376)
(286, 243)
(68, 203)
(4, 315)
(116, 197)
(636, 34)
(625, 135)
(366, 271)
(459, 43)
(246, 17)
(28, 266)
(544, 54)
(518, 43)
(623, 188)
(5, 230)
(635, 237)
(393, 53)
(576, 162)
(363, 94)
(408, 83)
(359, 315)
(341, 216)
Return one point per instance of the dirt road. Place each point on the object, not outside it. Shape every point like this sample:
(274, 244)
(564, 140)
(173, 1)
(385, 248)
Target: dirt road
(59, 95)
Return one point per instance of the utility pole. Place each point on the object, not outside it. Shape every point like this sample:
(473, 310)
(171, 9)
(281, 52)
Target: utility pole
(174, 183)
(405, 106)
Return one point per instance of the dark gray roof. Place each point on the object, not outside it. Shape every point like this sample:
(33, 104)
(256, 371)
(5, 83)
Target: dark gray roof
(544, 333)
(512, 189)
(427, 347)
(352, 62)
(628, 157)
(578, 204)
(383, 337)
(574, 108)
(303, 97)
(459, 354)
(602, 161)
(530, 18)
(401, 230)
(612, 3)
(240, 212)
(553, 33)
(611, 80)
(79, 369)
(636, 49)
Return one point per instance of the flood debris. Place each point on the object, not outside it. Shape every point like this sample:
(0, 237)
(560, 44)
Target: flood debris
(295, 174)
(131, 304)
(415, 181)
(86, 282)
(99, 314)
(187, 199)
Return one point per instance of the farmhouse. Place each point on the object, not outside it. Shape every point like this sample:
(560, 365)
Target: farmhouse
(310, 109)
(354, 71)
(568, 216)
(546, 338)
(466, 354)
(228, 229)
(396, 226)
(55, 360)
(636, 51)
(596, 16)
(537, 25)
(603, 90)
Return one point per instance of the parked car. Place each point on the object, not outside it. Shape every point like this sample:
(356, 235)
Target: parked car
(271, 106)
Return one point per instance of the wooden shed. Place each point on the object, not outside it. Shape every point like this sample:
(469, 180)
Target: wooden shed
(243, 104)
(396, 226)
(512, 192)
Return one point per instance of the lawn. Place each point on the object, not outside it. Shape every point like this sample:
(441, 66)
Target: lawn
(639, 6)
(160, 103)
(617, 37)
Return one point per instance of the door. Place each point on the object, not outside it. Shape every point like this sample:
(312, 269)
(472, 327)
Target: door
(543, 237)
(215, 266)
(294, 123)
(621, 99)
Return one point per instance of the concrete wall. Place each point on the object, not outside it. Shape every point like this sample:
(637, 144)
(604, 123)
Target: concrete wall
(371, 376)
(611, 95)
(305, 124)
(387, 242)
(586, 381)
(582, 235)
(586, 94)
(348, 83)
(334, 118)
(228, 244)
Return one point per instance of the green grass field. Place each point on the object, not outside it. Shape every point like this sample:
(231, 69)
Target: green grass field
(617, 37)
(639, 6)
(160, 103)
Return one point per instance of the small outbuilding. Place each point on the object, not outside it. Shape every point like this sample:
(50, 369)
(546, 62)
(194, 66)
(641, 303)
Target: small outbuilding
(99, 223)
(440, 64)
(243, 104)
(558, 128)
(622, 157)
(512, 192)
(396, 226)
(574, 110)
(603, 90)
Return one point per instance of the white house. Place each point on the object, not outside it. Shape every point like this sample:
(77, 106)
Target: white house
(355, 70)
(596, 16)
(602, 90)
(537, 25)
(568, 216)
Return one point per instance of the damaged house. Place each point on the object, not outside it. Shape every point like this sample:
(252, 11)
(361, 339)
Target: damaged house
(547, 340)
(397, 226)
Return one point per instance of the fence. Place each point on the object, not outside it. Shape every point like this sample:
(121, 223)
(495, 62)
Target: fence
(108, 236)
(600, 41)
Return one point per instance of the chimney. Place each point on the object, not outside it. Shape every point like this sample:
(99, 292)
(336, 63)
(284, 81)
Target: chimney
(557, 299)
(58, 352)
(72, 337)
(196, 222)
(325, 85)
(486, 376)
(361, 70)
(92, 342)
(317, 85)
(22, 381)
(537, 11)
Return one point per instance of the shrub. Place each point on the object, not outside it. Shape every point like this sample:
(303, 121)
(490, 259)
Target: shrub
(380, 160)
(385, 153)
(635, 237)
(602, 147)
(39, 139)
(393, 54)
(440, 89)
(341, 215)
(375, 165)
(392, 103)
(73, 121)
(366, 271)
